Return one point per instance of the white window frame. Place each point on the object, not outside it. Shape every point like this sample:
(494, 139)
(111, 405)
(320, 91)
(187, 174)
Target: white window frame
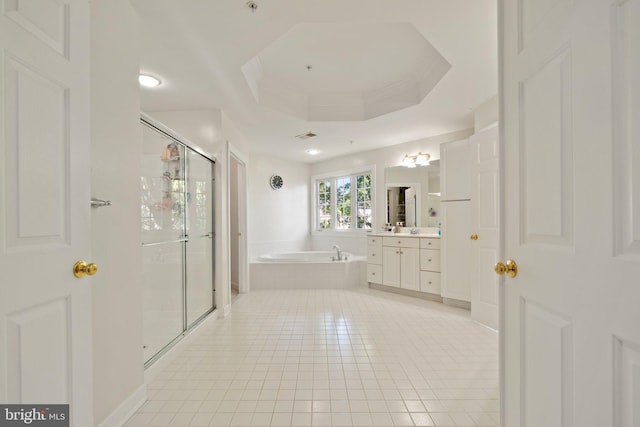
(370, 169)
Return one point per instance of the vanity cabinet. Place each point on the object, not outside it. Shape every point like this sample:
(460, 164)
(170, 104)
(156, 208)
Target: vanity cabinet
(401, 267)
(405, 262)
(430, 265)
(401, 262)
(374, 259)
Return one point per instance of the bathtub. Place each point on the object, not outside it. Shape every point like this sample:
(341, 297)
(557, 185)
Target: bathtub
(307, 270)
(304, 256)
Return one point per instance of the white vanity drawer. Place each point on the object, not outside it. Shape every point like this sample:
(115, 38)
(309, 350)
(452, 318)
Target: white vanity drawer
(374, 254)
(430, 282)
(374, 241)
(430, 259)
(401, 242)
(374, 273)
(429, 243)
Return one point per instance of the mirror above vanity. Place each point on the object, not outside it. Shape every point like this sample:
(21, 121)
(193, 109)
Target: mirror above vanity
(413, 195)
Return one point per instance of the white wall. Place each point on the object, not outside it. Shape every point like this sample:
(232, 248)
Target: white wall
(115, 230)
(381, 158)
(278, 219)
(240, 146)
(486, 114)
(203, 128)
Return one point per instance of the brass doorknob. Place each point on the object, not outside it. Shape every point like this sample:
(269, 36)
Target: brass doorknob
(511, 268)
(81, 268)
(474, 237)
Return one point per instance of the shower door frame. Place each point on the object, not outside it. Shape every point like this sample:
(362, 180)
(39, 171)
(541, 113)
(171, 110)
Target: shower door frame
(156, 126)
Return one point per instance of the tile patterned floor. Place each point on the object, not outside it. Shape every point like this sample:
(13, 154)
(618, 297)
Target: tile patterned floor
(331, 358)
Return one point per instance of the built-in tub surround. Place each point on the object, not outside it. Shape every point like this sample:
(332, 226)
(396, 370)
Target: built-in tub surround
(307, 270)
(305, 256)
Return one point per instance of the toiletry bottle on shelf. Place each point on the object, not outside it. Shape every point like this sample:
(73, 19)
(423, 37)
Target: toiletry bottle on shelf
(439, 230)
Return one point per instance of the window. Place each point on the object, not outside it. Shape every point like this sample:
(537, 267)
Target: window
(364, 207)
(324, 204)
(344, 201)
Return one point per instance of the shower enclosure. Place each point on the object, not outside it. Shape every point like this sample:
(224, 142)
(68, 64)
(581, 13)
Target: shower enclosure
(177, 202)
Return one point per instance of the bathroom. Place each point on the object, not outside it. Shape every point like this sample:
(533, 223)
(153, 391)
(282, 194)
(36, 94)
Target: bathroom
(73, 328)
(281, 220)
(276, 220)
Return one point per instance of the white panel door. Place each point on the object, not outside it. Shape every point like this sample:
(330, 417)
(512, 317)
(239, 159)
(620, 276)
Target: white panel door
(570, 111)
(485, 227)
(45, 312)
(410, 207)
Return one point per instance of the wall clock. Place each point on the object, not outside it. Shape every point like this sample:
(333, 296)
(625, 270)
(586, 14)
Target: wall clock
(276, 182)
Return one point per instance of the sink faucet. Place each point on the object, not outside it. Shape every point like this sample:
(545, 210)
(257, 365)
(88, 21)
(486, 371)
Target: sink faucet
(338, 251)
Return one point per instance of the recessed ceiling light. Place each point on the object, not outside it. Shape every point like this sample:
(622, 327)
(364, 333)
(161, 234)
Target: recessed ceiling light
(147, 80)
(312, 152)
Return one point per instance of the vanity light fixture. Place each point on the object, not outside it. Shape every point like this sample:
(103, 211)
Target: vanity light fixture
(420, 159)
(147, 80)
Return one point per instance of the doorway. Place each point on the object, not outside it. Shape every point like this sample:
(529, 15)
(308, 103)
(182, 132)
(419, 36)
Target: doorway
(238, 224)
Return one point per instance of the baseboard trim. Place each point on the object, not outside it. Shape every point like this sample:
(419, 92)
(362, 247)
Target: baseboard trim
(457, 303)
(226, 310)
(406, 292)
(126, 409)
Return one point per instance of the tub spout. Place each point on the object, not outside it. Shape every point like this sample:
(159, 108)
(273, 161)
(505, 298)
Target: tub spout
(338, 252)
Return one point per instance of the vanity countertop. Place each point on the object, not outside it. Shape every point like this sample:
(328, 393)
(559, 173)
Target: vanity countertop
(405, 234)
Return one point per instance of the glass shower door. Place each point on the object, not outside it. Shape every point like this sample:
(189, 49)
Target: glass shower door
(163, 236)
(199, 248)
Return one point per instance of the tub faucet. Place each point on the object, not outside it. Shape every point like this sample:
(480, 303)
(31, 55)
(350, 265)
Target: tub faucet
(339, 252)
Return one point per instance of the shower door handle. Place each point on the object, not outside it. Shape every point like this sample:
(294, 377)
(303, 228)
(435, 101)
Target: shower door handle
(209, 235)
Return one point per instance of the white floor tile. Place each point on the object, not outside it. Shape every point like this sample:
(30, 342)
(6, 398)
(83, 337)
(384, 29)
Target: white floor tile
(261, 419)
(361, 419)
(422, 419)
(442, 419)
(301, 419)
(182, 419)
(381, 419)
(331, 358)
(201, 419)
(341, 419)
(402, 419)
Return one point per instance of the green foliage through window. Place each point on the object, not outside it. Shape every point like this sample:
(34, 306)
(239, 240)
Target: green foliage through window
(345, 203)
(324, 204)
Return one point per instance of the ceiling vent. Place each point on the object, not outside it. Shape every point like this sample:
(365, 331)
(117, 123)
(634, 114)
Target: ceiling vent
(307, 135)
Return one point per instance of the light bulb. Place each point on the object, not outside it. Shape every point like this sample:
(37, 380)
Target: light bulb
(148, 81)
